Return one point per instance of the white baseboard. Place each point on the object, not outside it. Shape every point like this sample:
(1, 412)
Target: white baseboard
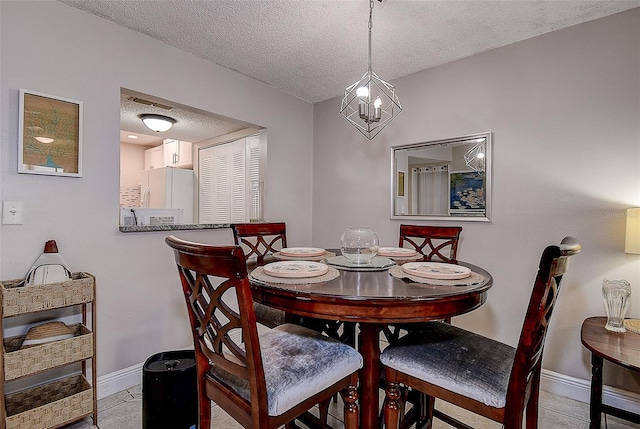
(580, 390)
(119, 380)
(122, 380)
(132, 376)
(552, 382)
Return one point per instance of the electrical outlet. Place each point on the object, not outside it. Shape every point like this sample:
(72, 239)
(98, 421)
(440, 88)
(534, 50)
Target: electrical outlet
(12, 212)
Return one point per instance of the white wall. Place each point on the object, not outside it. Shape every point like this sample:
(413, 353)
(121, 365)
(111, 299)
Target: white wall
(52, 48)
(131, 163)
(564, 109)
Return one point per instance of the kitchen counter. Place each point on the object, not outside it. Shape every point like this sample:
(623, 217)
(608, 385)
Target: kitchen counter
(148, 228)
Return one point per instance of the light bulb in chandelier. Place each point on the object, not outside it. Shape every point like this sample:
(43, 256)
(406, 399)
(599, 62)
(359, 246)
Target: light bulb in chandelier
(377, 109)
(362, 92)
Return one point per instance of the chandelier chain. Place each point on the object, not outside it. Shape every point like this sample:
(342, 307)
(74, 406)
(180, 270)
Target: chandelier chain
(370, 27)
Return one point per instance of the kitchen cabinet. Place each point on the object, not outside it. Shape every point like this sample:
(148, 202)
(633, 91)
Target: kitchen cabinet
(177, 154)
(59, 401)
(154, 158)
(171, 153)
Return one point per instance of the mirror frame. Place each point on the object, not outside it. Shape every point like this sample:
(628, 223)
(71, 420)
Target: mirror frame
(457, 218)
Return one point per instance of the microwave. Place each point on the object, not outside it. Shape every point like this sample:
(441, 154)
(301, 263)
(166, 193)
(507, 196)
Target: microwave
(134, 216)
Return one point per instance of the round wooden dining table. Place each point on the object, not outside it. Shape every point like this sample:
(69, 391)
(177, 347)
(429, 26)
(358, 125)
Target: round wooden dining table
(373, 299)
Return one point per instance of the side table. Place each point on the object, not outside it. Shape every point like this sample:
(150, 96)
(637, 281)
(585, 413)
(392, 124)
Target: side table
(620, 348)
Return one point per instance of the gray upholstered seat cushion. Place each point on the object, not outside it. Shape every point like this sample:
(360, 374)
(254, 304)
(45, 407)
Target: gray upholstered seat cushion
(460, 361)
(298, 363)
(269, 316)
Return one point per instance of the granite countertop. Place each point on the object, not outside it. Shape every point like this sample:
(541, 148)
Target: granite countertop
(147, 228)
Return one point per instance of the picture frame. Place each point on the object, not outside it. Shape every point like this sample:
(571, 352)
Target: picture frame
(400, 184)
(466, 193)
(49, 135)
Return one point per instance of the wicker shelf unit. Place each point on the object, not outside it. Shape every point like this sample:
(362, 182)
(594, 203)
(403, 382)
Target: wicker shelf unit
(60, 401)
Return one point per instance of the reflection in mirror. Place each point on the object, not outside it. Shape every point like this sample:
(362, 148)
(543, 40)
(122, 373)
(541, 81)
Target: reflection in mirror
(199, 172)
(443, 179)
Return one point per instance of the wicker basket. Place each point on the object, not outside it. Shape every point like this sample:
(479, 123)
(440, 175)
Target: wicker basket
(50, 405)
(22, 362)
(17, 299)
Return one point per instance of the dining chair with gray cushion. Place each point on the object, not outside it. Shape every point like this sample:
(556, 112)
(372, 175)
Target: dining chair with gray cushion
(261, 239)
(474, 372)
(435, 243)
(257, 241)
(264, 380)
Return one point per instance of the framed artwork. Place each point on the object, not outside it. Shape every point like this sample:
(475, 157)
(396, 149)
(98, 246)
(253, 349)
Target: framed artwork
(400, 184)
(466, 193)
(49, 135)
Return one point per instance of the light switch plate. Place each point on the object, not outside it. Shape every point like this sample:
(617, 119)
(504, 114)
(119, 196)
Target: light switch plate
(12, 212)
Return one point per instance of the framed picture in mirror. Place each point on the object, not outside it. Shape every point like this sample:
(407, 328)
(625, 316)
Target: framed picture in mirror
(466, 193)
(400, 186)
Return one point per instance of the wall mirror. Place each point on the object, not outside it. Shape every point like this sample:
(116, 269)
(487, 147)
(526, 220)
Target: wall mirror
(447, 179)
(205, 170)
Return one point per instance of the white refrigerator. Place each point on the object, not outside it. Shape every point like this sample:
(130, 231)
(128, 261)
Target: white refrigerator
(168, 188)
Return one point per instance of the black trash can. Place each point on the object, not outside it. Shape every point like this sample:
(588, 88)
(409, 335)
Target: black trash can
(169, 391)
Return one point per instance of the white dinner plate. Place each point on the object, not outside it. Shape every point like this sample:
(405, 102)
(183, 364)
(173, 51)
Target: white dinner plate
(436, 270)
(295, 269)
(398, 252)
(302, 251)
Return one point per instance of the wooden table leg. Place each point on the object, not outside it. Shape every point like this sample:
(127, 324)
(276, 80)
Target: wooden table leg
(595, 407)
(369, 347)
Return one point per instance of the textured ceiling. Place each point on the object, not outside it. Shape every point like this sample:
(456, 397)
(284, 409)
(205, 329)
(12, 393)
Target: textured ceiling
(191, 125)
(313, 49)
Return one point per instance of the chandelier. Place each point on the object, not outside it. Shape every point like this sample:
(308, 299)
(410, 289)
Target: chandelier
(474, 158)
(370, 103)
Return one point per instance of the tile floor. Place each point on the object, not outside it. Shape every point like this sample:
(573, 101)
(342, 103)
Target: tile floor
(123, 410)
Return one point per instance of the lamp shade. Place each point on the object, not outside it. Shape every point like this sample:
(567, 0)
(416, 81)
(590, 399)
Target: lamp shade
(632, 237)
(157, 123)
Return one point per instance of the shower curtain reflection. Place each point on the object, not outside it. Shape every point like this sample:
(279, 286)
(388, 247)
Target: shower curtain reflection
(429, 187)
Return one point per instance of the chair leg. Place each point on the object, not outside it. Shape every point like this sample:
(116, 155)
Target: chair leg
(204, 404)
(403, 398)
(391, 405)
(323, 408)
(534, 402)
(427, 404)
(351, 414)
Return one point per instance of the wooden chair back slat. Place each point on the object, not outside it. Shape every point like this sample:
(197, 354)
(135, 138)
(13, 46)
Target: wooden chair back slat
(260, 239)
(434, 242)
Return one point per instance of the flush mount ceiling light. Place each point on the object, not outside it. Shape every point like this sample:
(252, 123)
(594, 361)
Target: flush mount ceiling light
(370, 103)
(157, 123)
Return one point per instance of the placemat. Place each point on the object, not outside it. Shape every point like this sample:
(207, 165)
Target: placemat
(473, 279)
(282, 257)
(260, 275)
(632, 325)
